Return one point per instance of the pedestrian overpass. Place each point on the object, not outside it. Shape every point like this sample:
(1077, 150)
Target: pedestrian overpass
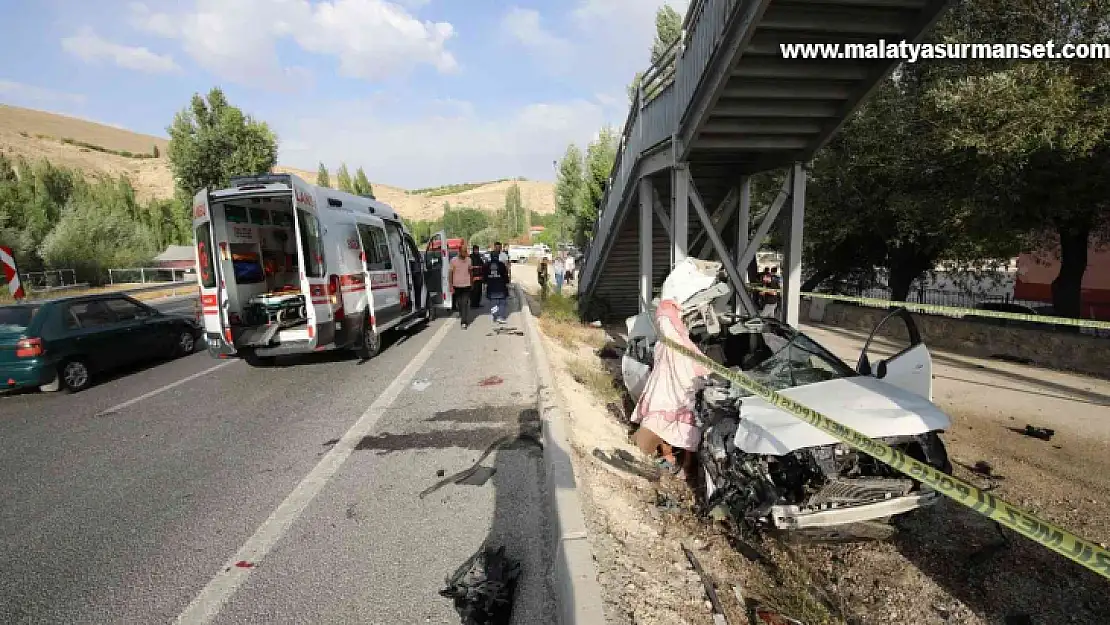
(720, 105)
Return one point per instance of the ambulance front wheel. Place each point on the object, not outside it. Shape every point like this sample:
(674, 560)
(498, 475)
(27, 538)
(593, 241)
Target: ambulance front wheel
(370, 344)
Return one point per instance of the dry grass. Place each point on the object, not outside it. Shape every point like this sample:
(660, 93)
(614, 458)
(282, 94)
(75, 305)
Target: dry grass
(599, 382)
(571, 335)
(36, 135)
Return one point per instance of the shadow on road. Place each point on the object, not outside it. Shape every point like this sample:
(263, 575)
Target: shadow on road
(511, 436)
(998, 574)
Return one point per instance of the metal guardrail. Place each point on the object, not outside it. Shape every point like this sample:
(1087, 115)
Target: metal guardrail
(58, 289)
(173, 287)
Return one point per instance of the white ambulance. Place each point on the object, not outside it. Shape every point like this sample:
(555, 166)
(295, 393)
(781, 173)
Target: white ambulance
(286, 267)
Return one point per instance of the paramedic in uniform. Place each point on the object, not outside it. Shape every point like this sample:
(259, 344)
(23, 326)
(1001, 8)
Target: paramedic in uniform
(502, 256)
(497, 288)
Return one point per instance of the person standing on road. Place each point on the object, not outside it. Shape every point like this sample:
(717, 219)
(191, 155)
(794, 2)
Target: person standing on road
(560, 273)
(541, 277)
(497, 288)
(476, 269)
(460, 287)
(503, 256)
(570, 269)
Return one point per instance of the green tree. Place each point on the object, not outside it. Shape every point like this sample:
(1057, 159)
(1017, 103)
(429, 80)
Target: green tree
(154, 151)
(323, 179)
(485, 237)
(887, 193)
(514, 216)
(92, 238)
(211, 141)
(600, 156)
(362, 184)
(463, 222)
(569, 189)
(633, 87)
(1040, 130)
(668, 30)
(343, 179)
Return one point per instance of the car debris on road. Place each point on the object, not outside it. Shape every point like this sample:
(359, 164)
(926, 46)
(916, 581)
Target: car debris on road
(483, 587)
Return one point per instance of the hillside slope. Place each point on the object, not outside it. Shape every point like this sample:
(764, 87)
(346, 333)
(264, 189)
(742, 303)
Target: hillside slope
(37, 134)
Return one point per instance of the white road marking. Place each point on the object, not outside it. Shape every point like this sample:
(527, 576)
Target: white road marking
(206, 605)
(162, 389)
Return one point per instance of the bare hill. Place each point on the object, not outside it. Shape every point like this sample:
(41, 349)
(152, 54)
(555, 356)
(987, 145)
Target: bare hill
(37, 134)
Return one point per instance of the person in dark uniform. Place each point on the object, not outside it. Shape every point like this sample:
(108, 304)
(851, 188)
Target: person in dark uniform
(477, 269)
(497, 289)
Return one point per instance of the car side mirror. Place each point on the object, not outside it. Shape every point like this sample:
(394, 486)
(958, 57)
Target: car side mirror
(880, 370)
(864, 367)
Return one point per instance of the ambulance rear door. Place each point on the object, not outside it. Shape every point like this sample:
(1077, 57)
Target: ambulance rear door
(213, 289)
(311, 258)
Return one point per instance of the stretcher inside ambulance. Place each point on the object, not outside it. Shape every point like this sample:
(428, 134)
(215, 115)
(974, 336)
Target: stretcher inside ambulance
(287, 267)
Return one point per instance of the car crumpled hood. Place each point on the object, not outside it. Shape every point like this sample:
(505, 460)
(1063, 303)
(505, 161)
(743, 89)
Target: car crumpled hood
(863, 403)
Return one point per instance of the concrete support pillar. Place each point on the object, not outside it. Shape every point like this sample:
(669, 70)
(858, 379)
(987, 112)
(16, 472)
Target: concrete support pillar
(680, 214)
(792, 272)
(647, 217)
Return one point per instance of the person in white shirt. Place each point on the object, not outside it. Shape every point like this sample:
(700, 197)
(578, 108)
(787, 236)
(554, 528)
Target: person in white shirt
(570, 270)
(560, 267)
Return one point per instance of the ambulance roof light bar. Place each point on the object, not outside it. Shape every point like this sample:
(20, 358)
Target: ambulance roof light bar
(262, 180)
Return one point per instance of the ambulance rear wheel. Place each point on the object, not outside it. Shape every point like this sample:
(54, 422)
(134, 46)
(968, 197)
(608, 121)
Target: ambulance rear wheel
(370, 344)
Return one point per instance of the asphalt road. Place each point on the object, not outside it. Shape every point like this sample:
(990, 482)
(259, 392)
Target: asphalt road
(133, 501)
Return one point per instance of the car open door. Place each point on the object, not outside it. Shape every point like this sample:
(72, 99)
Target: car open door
(437, 271)
(213, 289)
(910, 367)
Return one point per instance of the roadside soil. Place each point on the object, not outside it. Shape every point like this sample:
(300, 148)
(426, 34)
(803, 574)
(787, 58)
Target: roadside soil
(941, 565)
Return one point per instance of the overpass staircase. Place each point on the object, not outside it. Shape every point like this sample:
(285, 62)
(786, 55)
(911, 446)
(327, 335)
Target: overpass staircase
(721, 105)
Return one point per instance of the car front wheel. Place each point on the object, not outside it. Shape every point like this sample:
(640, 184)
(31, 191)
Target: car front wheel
(186, 343)
(75, 375)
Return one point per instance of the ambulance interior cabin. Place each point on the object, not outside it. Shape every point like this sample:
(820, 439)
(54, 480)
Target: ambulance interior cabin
(264, 292)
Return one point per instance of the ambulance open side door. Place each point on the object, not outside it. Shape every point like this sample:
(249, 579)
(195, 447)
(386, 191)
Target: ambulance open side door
(437, 267)
(213, 289)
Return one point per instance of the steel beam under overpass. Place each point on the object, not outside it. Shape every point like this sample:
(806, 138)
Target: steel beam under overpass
(647, 212)
(792, 273)
(680, 214)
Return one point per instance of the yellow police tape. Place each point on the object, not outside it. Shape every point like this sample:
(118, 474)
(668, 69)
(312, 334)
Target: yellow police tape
(932, 309)
(1072, 547)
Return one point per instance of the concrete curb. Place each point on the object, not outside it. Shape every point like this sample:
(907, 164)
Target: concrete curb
(577, 590)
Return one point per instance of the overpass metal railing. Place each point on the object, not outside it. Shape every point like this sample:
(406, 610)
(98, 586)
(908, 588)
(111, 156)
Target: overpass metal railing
(660, 104)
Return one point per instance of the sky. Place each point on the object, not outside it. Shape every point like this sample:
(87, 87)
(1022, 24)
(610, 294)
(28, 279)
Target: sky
(417, 92)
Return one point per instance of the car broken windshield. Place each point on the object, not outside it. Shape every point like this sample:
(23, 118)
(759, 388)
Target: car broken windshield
(796, 360)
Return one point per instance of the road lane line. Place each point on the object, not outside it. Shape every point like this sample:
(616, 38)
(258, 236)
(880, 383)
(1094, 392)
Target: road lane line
(162, 389)
(211, 599)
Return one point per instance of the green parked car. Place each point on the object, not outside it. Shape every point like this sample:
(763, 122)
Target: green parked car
(65, 343)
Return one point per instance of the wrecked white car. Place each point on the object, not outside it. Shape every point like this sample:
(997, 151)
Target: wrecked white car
(771, 469)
